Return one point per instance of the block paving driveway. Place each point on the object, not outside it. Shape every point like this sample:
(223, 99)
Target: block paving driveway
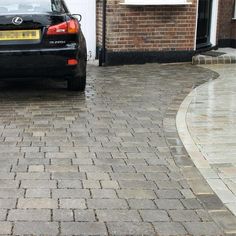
(107, 162)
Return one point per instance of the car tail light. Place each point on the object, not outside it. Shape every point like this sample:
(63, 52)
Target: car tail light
(72, 62)
(68, 27)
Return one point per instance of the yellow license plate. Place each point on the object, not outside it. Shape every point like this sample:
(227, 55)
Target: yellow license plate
(19, 35)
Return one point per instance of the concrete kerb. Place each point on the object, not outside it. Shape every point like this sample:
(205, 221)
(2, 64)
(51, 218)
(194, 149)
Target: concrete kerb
(219, 212)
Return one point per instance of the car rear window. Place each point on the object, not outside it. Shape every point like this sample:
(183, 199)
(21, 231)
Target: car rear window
(30, 6)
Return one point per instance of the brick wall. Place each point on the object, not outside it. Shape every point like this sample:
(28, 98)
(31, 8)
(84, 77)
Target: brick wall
(147, 28)
(227, 26)
(156, 31)
(152, 28)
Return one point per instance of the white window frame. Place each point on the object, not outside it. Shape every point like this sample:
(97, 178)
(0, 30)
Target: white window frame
(155, 2)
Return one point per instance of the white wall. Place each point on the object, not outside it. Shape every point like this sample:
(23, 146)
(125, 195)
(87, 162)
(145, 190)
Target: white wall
(87, 8)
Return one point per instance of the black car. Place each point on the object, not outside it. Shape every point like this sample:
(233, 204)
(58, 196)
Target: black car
(40, 38)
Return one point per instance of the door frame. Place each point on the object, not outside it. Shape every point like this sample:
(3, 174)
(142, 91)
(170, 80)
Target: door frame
(214, 23)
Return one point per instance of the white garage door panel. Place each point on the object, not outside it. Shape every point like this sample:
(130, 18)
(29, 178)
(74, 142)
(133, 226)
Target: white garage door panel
(87, 8)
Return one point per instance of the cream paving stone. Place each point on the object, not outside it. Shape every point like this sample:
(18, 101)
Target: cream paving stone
(232, 207)
(206, 123)
(209, 173)
(36, 168)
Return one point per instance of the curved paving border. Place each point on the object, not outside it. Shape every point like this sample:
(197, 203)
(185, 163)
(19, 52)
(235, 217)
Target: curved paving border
(205, 161)
(183, 147)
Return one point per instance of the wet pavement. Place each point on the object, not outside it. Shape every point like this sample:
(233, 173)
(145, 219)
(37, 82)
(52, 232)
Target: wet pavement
(210, 119)
(107, 162)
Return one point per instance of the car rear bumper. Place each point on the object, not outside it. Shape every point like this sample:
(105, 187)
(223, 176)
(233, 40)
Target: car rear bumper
(37, 63)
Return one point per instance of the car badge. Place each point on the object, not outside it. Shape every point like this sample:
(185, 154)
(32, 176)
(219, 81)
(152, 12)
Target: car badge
(17, 20)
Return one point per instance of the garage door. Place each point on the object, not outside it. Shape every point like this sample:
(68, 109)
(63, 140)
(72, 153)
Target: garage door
(87, 8)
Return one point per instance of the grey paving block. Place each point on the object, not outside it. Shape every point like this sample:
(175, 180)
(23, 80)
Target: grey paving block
(68, 175)
(37, 193)
(141, 204)
(113, 162)
(29, 215)
(5, 228)
(12, 184)
(103, 193)
(32, 176)
(203, 228)
(123, 169)
(69, 184)
(118, 215)
(211, 201)
(192, 204)
(169, 194)
(37, 203)
(97, 176)
(137, 184)
(3, 214)
(225, 219)
(55, 161)
(154, 215)
(61, 168)
(36, 168)
(157, 176)
(70, 193)
(169, 228)
(169, 204)
(92, 184)
(204, 215)
(83, 228)
(95, 168)
(187, 193)
(85, 215)
(136, 194)
(7, 203)
(5, 176)
(183, 215)
(151, 169)
(127, 176)
(48, 184)
(130, 228)
(168, 184)
(107, 204)
(109, 184)
(38, 228)
(59, 155)
(72, 203)
(62, 215)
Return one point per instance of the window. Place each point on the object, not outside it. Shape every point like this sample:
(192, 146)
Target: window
(31, 6)
(156, 2)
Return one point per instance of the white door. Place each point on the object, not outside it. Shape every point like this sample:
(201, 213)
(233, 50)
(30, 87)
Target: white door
(87, 9)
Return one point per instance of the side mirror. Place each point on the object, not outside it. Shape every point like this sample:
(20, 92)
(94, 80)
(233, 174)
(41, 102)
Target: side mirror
(77, 16)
